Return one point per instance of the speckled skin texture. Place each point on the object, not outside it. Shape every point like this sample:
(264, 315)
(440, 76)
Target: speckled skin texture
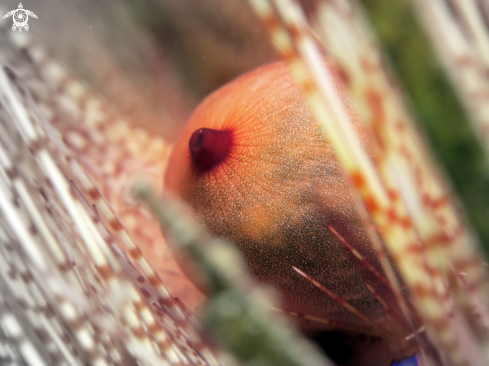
(275, 195)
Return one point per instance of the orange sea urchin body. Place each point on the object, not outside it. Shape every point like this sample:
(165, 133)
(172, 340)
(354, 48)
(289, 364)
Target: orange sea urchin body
(256, 168)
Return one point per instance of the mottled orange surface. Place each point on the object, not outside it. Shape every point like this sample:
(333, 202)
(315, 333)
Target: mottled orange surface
(271, 186)
(276, 193)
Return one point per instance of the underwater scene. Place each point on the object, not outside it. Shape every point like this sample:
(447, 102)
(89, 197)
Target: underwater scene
(261, 182)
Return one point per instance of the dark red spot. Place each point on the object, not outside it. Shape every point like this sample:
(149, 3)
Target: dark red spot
(209, 148)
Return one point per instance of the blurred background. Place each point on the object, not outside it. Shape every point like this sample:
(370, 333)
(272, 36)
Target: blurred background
(154, 59)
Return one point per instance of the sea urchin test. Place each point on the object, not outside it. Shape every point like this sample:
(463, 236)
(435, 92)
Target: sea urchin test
(256, 168)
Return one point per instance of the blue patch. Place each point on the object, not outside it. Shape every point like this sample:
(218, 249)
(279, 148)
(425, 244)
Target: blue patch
(410, 361)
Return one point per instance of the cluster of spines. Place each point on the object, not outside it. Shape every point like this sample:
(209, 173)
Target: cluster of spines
(108, 147)
(146, 327)
(459, 33)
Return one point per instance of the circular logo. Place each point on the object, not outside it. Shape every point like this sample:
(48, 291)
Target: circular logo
(20, 18)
